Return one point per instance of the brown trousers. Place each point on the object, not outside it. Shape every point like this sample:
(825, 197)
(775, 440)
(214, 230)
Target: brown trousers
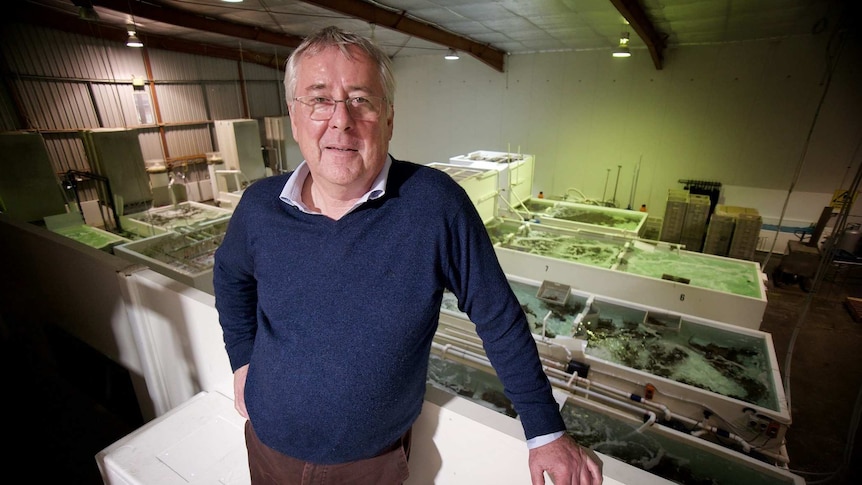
(270, 467)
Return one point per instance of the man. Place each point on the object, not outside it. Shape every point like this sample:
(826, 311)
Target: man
(329, 282)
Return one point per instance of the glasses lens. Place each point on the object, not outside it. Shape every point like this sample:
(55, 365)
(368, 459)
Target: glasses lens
(366, 108)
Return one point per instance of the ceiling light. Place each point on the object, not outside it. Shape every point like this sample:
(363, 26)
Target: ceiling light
(623, 49)
(133, 41)
(232, 1)
(451, 55)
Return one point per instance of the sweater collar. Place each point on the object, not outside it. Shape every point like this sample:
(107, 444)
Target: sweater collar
(292, 191)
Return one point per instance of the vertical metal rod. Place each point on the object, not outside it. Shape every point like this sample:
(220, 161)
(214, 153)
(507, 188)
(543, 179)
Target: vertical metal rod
(604, 192)
(635, 183)
(617, 184)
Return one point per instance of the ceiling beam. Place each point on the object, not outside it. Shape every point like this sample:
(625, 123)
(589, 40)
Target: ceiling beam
(51, 18)
(637, 18)
(183, 18)
(399, 21)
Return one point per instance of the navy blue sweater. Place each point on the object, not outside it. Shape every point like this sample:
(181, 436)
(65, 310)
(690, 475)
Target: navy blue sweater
(336, 318)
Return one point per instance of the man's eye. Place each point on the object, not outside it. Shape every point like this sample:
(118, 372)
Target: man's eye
(321, 100)
(359, 100)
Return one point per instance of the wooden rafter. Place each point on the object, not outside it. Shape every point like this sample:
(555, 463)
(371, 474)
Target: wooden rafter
(637, 18)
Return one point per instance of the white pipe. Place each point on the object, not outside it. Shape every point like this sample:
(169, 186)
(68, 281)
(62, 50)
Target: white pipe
(651, 416)
(567, 385)
(448, 349)
(667, 415)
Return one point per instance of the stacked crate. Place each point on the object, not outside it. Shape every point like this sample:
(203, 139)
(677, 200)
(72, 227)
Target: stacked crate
(694, 224)
(745, 235)
(733, 232)
(674, 215)
(652, 228)
(720, 231)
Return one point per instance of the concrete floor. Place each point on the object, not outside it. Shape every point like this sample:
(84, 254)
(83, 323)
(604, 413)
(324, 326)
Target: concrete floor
(825, 371)
(64, 403)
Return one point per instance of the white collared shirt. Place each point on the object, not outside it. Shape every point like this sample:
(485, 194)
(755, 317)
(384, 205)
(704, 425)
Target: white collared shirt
(292, 191)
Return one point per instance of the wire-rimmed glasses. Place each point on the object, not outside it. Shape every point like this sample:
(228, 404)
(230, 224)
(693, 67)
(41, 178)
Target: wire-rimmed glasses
(365, 108)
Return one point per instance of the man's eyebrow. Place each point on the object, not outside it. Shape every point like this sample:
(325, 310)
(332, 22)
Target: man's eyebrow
(317, 86)
(321, 86)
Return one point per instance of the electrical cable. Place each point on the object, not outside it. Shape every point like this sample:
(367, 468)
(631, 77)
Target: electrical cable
(831, 64)
(829, 254)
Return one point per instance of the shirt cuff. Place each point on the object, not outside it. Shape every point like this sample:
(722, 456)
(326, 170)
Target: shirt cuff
(544, 439)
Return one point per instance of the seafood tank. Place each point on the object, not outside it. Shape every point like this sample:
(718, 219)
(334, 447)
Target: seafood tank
(582, 247)
(572, 215)
(719, 359)
(185, 254)
(160, 220)
(651, 273)
(694, 365)
(670, 454)
(91, 236)
(703, 270)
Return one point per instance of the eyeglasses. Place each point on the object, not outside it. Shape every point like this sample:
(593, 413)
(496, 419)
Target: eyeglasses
(365, 108)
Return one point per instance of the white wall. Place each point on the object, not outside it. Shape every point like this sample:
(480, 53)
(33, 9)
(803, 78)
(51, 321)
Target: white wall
(738, 114)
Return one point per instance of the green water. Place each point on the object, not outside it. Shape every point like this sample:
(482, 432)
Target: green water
(190, 251)
(722, 274)
(179, 217)
(717, 360)
(90, 236)
(584, 214)
(665, 457)
(570, 246)
(726, 275)
(720, 361)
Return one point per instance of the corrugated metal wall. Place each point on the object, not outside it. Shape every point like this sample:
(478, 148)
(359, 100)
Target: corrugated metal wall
(63, 83)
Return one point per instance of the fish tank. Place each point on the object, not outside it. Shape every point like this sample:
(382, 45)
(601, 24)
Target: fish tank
(647, 272)
(583, 247)
(673, 455)
(175, 217)
(91, 236)
(186, 256)
(573, 215)
(695, 365)
(715, 358)
(666, 261)
(72, 226)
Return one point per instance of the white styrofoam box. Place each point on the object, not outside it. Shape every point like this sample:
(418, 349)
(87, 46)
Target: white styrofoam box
(200, 441)
(481, 186)
(515, 171)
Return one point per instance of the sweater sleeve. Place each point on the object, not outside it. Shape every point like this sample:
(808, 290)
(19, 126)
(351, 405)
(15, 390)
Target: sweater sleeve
(484, 293)
(236, 290)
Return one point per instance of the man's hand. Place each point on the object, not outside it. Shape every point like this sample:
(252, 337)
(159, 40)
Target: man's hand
(566, 463)
(239, 390)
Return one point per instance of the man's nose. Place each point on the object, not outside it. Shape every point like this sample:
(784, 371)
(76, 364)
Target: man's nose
(341, 117)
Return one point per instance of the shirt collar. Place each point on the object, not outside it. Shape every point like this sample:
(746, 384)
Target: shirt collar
(292, 191)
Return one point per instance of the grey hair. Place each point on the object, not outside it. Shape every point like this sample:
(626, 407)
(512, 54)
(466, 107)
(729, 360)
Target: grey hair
(333, 36)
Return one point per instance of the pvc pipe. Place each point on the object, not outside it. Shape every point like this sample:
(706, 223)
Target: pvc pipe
(479, 359)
